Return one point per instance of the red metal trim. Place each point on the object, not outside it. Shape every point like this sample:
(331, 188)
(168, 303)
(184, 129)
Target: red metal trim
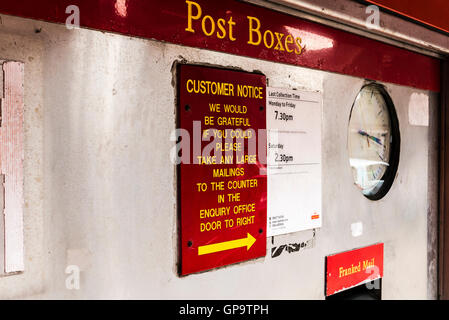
(325, 48)
(433, 13)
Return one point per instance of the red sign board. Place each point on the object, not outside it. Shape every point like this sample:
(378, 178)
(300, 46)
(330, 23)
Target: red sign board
(352, 268)
(222, 184)
(244, 29)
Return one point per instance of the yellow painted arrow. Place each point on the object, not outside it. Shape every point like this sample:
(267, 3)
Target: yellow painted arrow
(227, 245)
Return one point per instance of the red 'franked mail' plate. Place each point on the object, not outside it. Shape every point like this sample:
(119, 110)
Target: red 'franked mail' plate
(222, 183)
(352, 268)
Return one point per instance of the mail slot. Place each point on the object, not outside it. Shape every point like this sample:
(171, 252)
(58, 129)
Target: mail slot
(355, 274)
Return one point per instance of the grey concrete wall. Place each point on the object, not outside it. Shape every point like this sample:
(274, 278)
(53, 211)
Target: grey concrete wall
(100, 190)
(17, 42)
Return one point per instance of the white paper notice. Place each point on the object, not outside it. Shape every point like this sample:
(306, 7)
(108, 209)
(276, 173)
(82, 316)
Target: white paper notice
(294, 160)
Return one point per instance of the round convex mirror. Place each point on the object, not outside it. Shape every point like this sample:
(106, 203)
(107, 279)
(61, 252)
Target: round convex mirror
(373, 141)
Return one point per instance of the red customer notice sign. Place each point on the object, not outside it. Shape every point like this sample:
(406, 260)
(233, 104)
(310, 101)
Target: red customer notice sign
(222, 185)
